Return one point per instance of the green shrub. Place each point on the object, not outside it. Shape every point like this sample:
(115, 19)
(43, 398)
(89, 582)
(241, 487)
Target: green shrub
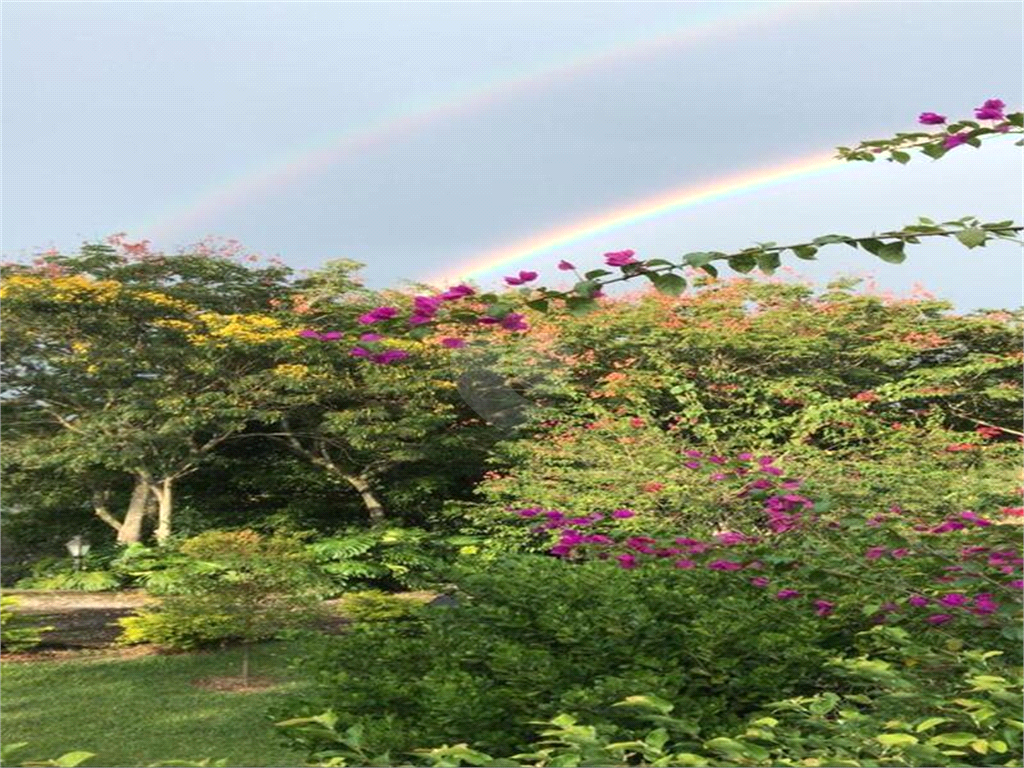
(82, 581)
(533, 636)
(231, 585)
(14, 634)
(374, 605)
(889, 712)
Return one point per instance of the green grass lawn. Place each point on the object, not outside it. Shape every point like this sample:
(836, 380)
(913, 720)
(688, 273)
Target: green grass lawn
(134, 712)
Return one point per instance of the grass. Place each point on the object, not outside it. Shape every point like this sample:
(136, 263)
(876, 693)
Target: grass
(133, 712)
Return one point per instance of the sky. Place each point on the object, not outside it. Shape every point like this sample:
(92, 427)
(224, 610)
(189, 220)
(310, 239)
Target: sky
(423, 138)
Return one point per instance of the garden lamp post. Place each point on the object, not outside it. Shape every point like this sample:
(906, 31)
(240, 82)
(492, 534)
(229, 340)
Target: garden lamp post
(79, 548)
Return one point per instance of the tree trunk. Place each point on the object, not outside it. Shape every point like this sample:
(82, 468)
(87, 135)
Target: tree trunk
(373, 505)
(130, 531)
(165, 506)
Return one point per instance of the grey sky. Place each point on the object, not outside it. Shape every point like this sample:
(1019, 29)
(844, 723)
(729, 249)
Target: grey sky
(120, 116)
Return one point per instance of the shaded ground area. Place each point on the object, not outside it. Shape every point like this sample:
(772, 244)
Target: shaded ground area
(79, 619)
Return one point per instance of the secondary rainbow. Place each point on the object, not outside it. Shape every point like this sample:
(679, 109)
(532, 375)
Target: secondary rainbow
(661, 204)
(406, 120)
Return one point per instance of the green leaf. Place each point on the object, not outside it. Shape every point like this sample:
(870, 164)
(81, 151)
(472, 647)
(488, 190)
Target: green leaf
(647, 702)
(805, 252)
(935, 150)
(830, 239)
(1016, 118)
(900, 157)
(972, 237)
(659, 263)
(768, 262)
(698, 259)
(710, 269)
(742, 263)
(896, 739)
(579, 305)
(870, 244)
(596, 273)
(931, 722)
(955, 739)
(586, 288)
(540, 305)
(892, 253)
(71, 759)
(669, 284)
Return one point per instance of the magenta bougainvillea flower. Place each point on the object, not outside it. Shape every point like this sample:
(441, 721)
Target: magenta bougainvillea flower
(931, 118)
(389, 356)
(954, 600)
(823, 607)
(371, 337)
(992, 109)
(378, 314)
(730, 538)
(787, 594)
(456, 292)
(521, 278)
(453, 342)
(874, 553)
(627, 561)
(918, 601)
(955, 140)
(566, 266)
(514, 322)
(684, 565)
(308, 333)
(619, 258)
(939, 618)
(760, 581)
(724, 565)
(623, 514)
(359, 352)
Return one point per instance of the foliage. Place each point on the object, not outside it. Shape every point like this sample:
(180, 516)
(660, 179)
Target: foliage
(389, 558)
(374, 605)
(84, 581)
(231, 585)
(15, 634)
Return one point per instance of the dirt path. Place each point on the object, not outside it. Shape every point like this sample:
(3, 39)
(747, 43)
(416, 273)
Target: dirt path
(79, 619)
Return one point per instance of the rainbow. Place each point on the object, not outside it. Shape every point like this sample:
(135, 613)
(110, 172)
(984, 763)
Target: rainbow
(408, 120)
(661, 204)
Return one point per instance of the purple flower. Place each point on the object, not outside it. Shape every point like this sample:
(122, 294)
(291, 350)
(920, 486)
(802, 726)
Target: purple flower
(359, 352)
(760, 581)
(308, 333)
(598, 538)
(523, 277)
(457, 292)
(451, 342)
(1017, 584)
(683, 541)
(627, 561)
(419, 319)
(693, 454)
(823, 607)
(619, 258)
(955, 140)
(745, 456)
(716, 460)
(730, 538)
(724, 565)
(786, 594)
(984, 603)
(949, 525)
(692, 464)
(766, 460)
(389, 356)
(954, 599)
(938, 618)
(992, 109)
(874, 553)
(371, 337)
(378, 314)
(684, 565)
(514, 322)
(426, 305)
(975, 518)
(718, 476)
(529, 512)
(331, 336)
(622, 514)
(771, 470)
(791, 484)
(918, 601)
(760, 485)
(898, 553)
(930, 118)
(565, 266)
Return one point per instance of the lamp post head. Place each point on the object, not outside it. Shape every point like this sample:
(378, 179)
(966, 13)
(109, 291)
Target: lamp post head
(77, 546)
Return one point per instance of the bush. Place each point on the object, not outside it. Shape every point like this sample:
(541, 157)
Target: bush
(374, 605)
(224, 585)
(14, 634)
(532, 636)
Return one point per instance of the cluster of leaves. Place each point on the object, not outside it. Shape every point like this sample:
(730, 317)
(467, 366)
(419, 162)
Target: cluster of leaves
(231, 585)
(15, 633)
(977, 721)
